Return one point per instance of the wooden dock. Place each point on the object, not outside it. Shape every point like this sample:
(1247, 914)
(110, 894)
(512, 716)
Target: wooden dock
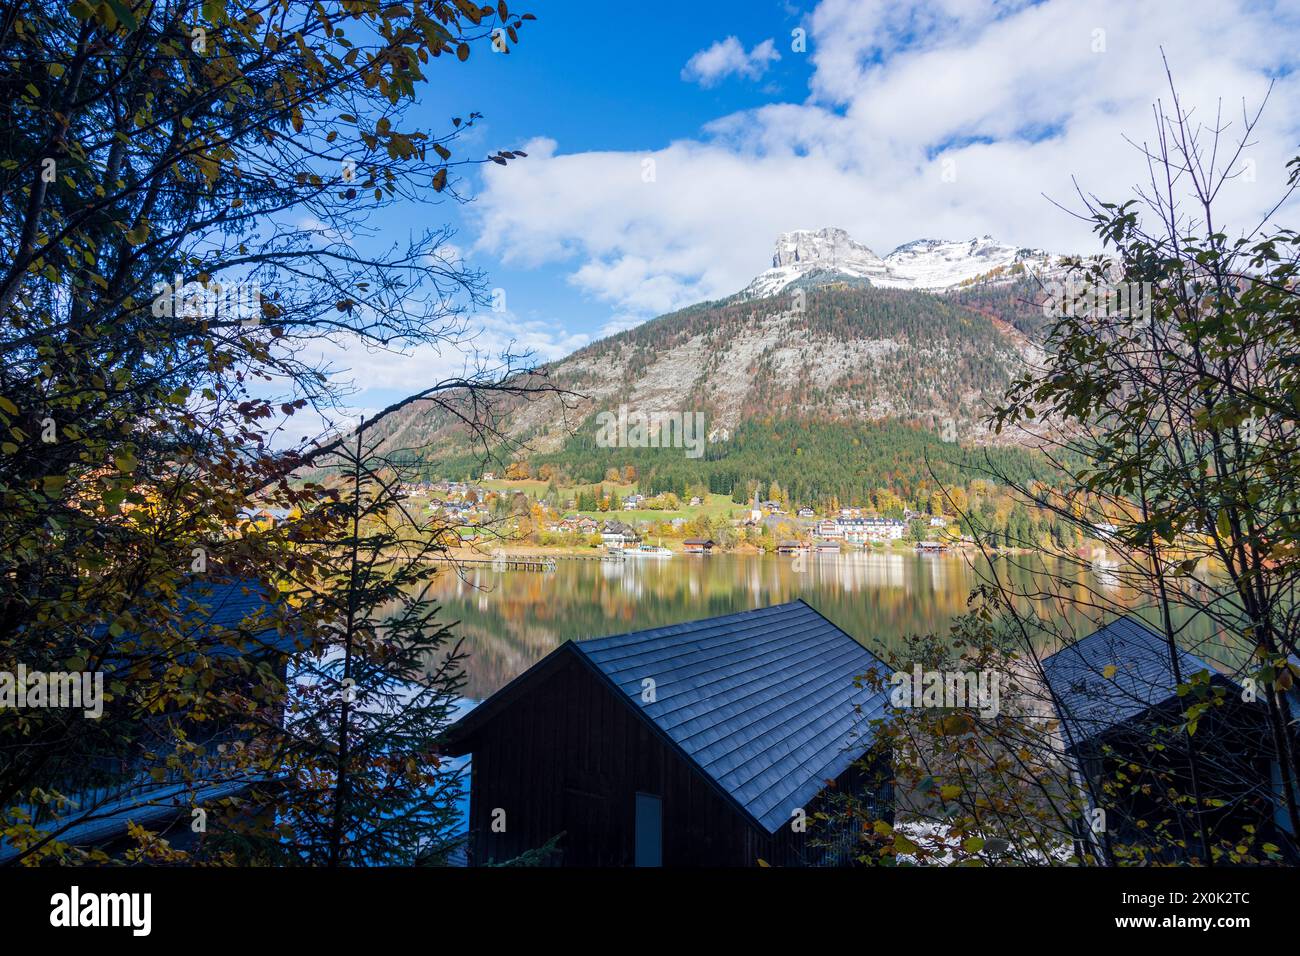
(527, 562)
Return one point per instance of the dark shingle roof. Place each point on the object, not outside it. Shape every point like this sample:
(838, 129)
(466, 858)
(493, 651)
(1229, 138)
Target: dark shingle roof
(243, 606)
(1093, 703)
(761, 701)
(238, 605)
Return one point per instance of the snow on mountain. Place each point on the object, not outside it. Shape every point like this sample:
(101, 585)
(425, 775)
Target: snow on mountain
(805, 251)
(930, 264)
(939, 362)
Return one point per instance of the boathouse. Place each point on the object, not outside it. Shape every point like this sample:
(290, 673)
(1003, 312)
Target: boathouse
(697, 744)
(1121, 714)
(112, 784)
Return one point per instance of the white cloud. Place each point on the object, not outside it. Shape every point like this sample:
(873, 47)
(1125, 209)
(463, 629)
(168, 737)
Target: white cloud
(372, 378)
(620, 323)
(489, 336)
(1017, 97)
(710, 66)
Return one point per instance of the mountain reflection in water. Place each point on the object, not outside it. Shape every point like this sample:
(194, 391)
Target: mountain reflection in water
(511, 619)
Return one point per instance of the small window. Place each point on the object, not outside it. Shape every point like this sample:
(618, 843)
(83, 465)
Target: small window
(649, 830)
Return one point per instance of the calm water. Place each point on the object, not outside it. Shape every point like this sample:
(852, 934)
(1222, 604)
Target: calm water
(511, 619)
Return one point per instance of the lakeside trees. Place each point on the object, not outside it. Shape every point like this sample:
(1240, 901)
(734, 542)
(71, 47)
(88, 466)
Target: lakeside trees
(190, 192)
(1188, 419)
(1174, 429)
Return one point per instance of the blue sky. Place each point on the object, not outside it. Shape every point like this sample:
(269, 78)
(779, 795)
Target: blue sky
(601, 82)
(751, 137)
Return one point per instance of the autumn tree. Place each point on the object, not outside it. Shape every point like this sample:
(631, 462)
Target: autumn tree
(191, 191)
(1173, 424)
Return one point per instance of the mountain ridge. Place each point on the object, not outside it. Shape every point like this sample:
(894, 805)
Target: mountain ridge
(855, 347)
(921, 264)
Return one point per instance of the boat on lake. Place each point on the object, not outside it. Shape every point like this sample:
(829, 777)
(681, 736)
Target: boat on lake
(648, 551)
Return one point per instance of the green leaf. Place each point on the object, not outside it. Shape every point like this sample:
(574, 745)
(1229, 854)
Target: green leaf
(124, 14)
(903, 845)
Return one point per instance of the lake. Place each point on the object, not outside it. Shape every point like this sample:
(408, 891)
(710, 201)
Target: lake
(511, 619)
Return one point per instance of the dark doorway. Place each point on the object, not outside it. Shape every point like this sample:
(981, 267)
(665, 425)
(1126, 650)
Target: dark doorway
(649, 830)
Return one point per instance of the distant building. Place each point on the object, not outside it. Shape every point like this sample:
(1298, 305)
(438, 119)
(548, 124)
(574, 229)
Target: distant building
(829, 528)
(695, 501)
(938, 521)
(862, 530)
(698, 545)
(695, 744)
(807, 513)
(265, 515)
(616, 534)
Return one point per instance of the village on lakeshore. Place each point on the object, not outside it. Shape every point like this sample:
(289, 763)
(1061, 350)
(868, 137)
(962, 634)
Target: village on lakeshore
(617, 519)
(507, 512)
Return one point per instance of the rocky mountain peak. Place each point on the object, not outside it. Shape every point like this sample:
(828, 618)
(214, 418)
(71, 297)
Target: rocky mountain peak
(827, 247)
(831, 254)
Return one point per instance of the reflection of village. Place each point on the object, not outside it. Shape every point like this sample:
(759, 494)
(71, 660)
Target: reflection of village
(880, 578)
(511, 619)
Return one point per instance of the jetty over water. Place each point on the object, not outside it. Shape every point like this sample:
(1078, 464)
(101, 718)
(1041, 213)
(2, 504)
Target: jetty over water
(526, 562)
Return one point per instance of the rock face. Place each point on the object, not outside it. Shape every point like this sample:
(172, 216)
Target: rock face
(825, 246)
(824, 255)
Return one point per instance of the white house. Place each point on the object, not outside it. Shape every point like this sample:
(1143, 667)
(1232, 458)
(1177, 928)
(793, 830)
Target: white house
(829, 528)
(862, 530)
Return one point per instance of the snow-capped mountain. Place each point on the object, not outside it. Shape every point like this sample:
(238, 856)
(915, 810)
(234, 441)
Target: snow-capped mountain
(830, 254)
(831, 251)
(870, 344)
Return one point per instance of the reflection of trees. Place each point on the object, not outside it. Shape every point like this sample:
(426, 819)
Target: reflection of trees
(510, 620)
